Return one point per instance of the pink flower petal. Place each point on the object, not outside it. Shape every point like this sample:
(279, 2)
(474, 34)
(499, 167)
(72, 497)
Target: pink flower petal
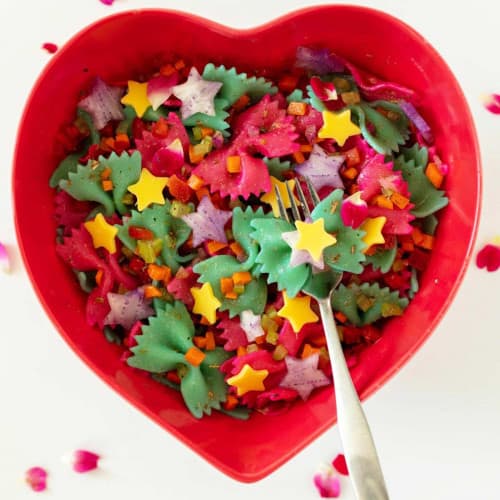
(340, 464)
(36, 477)
(328, 485)
(160, 89)
(168, 160)
(107, 2)
(50, 47)
(354, 210)
(4, 259)
(85, 461)
(489, 258)
(492, 103)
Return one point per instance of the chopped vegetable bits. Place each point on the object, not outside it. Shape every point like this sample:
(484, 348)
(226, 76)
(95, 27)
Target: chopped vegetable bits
(166, 203)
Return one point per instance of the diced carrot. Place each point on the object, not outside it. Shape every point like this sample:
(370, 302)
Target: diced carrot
(194, 156)
(371, 250)
(158, 273)
(399, 200)
(106, 173)
(206, 131)
(383, 202)
(151, 292)
(214, 246)
(160, 128)
(107, 185)
(261, 339)
(237, 249)
(350, 173)
(167, 70)
(305, 148)
(195, 182)
(288, 83)
(201, 193)
(98, 276)
(231, 402)
(168, 276)
(417, 235)
(298, 156)
(231, 295)
(179, 189)
(242, 278)
(204, 321)
(180, 64)
(233, 164)
(434, 174)
(241, 351)
(140, 233)
(308, 350)
(210, 338)
(427, 242)
(200, 342)
(241, 103)
(194, 356)
(352, 157)
(122, 139)
(297, 108)
(340, 316)
(226, 285)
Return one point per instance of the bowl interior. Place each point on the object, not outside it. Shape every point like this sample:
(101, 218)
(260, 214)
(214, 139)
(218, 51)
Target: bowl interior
(124, 46)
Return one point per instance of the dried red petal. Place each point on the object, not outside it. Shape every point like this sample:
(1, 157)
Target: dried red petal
(489, 258)
(50, 47)
(340, 464)
(36, 477)
(85, 461)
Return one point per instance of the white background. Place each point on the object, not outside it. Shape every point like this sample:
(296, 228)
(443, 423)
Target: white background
(436, 423)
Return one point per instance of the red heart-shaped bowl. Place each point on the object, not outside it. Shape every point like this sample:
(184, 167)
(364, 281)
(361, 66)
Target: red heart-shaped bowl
(126, 44)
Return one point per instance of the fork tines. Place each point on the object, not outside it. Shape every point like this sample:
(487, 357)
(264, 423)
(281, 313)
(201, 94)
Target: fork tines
(295, 212)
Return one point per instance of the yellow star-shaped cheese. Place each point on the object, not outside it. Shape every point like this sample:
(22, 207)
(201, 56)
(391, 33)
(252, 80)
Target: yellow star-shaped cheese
(137, 97)
(373, 229)
(148, 189)
(205, 302)
(248, 380)
(103, 234)
(270, 197)
(298, 311)
(338, 126)
(313, 238)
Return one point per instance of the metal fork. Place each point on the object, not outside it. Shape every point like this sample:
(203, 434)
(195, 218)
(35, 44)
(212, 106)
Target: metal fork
(359, 448)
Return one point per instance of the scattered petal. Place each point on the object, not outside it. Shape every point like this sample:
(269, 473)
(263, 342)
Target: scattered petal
(303, 375)
(36, 477)
(492, 103)
(197, 95)
(4, 259)
(340, 464)
(322, 169)
(128, 308)
(107, 2)
(103, 104)
(327, 483)
(489, 258)
(50, 47)
(85, 461)
(207, 222)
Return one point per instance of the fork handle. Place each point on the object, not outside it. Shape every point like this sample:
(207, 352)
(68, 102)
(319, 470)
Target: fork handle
(359, 448)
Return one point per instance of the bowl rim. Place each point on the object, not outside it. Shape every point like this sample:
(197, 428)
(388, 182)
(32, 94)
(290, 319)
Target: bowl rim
(229, 31)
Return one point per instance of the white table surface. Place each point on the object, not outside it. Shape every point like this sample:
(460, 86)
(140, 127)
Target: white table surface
(435, 423)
